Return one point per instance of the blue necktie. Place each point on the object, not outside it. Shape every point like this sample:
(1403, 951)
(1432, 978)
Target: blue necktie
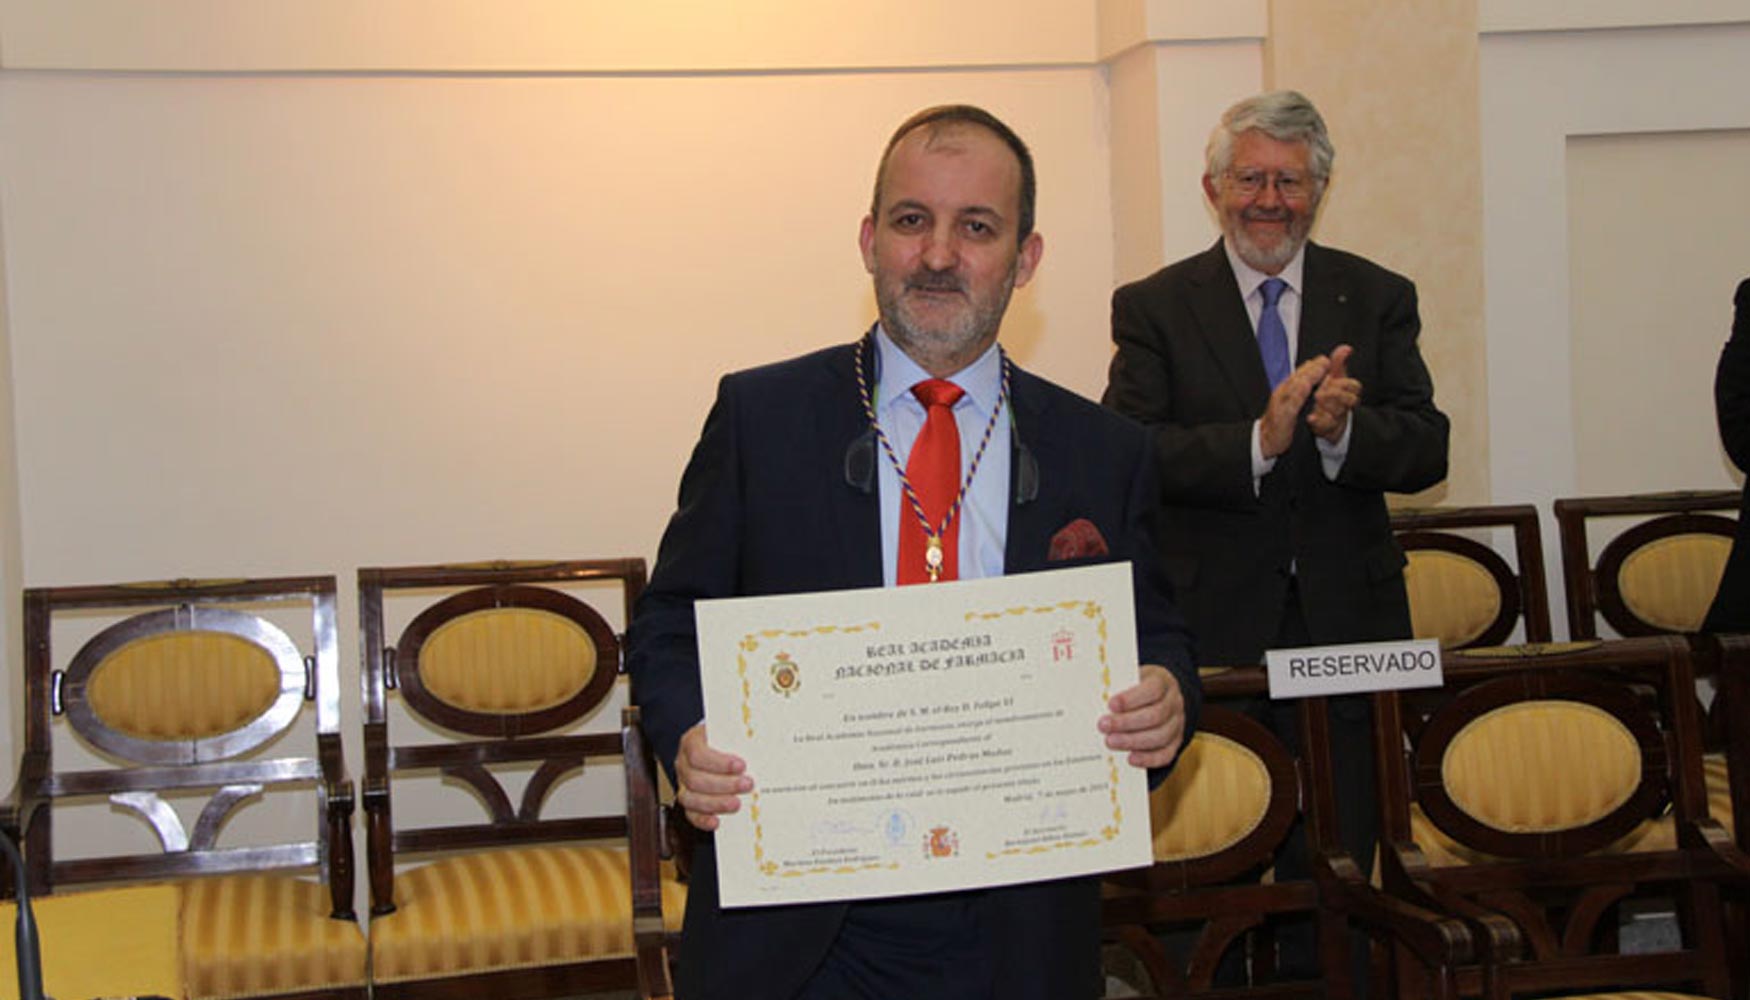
(1272, 335)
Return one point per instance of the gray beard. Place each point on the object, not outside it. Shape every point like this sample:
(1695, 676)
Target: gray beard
(1268, 261)
(943, 349)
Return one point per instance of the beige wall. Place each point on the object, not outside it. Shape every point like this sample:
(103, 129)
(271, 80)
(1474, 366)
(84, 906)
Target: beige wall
(1650, 291)
(277, 324)
(11, 546)
(420, 280)
(1397, 83)
(565, 36)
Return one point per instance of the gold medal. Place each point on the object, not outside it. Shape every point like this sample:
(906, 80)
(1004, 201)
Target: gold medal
(933, 557)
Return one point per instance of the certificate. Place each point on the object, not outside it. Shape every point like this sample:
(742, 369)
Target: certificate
(926, 738)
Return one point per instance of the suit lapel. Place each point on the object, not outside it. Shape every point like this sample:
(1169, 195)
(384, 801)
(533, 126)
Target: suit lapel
(856, 508)
(1226, 329)
(1029, 533)
(1323, 301)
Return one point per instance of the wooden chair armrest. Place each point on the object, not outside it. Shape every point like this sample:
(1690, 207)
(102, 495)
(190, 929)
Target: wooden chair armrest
(1495, 938)
(1726, 861)
(645, 832)
(338, 815)
(18, 811)
(1442, 942)
(379, 856)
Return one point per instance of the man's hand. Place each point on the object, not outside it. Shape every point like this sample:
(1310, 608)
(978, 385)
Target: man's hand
(1337, 394)
(1149, 719)
(1276, 426)
(711, 783)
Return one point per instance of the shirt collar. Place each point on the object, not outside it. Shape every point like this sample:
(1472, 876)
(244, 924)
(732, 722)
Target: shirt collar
(982, 380)
(1250, 277)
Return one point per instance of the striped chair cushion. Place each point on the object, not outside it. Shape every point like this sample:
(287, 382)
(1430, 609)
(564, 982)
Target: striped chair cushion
(1670, 582)
(1653, 835)
(1452, 598)
(508, 909)
(103, 943)
(554, 658)
(249, 935)
(1216, 795)
(183, 685)
(1537, 766)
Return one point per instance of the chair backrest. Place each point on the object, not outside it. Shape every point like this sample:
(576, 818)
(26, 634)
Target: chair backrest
(500, 668)
(1218, 822)
(1658, 576)
(1535, 764)
(1461, 590)
(216, 693)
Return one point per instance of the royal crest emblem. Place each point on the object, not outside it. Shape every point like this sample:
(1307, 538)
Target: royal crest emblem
(941, 842)
(786, 675)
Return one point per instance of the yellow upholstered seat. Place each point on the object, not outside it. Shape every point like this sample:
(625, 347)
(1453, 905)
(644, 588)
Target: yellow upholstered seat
(1542, 745)
(105, 943)
(1217, 793)
(1452, 598)
(250, 935)
(1653, 835)
(555, 656)
(526, 893)
(511, 909)
(1670, 582)
(200, 697)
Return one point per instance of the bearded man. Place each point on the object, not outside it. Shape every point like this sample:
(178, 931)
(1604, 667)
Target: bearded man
(1286, 396)
(809, 476)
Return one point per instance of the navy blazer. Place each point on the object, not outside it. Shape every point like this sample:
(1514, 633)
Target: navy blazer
(779, 498)
(1188, 367)
(1731, 607)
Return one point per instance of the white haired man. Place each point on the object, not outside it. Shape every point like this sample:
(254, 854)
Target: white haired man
(1285, 394)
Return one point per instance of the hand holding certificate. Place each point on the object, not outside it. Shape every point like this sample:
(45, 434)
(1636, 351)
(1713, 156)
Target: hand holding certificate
(922, 739)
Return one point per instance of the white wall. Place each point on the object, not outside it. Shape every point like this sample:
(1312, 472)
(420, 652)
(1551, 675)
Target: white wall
(290, 324)
(1540, 90)
(1651, 283)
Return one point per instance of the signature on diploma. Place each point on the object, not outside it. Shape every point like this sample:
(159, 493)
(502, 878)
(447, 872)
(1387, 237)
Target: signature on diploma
(894, 828)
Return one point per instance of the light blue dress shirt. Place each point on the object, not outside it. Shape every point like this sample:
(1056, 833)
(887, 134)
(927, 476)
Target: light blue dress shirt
(984, 516)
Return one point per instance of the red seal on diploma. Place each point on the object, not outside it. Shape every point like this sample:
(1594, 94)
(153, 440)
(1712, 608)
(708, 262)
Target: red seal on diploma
(941, 842)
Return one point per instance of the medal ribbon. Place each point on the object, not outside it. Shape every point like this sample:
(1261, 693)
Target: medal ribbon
(935, 557)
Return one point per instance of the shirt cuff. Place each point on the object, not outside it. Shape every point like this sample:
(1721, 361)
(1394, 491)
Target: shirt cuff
(1261, 466)
(1331, 456)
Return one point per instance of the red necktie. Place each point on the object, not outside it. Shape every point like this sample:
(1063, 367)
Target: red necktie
(934, 473)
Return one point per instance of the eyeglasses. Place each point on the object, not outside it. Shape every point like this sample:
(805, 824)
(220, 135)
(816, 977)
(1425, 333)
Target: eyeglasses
(1290, 186)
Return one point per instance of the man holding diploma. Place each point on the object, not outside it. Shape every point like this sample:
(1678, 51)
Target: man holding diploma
(917, 454)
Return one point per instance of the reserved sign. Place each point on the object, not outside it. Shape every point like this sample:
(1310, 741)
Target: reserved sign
(1356, 668)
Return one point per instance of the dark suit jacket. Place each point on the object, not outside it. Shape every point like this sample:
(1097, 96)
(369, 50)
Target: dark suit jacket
(769, 504)
(1188, 366)
(1731, 607)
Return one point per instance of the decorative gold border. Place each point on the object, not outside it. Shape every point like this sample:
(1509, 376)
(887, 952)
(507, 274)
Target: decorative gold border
(1092, 610)
(749, 644)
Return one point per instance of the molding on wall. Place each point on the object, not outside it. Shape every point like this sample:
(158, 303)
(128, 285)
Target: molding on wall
(1506, 16)
(564, 36)
(1537, 90)
(1126, 24)
(538, 36)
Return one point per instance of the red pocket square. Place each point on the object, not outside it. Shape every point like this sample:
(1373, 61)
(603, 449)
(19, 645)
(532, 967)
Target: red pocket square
(1078, 539)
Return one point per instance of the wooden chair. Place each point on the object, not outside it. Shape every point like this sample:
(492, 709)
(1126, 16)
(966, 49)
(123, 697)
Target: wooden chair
(498, 671)
(1462, 591)
(166, 701)
(1507, 800)
(1222, 815)
(1658, 576)
(1732, 653)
